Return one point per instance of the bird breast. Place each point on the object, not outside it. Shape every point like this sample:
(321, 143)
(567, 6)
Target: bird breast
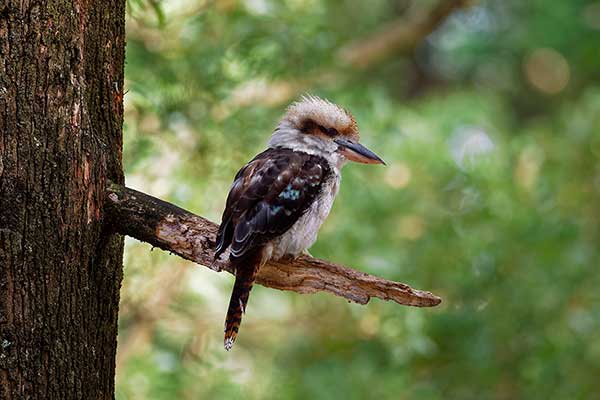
(303, 233)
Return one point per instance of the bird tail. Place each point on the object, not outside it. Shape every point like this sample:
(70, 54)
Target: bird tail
(244, 279)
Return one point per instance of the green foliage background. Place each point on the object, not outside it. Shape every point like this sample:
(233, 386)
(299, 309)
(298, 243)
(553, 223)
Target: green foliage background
(491, 129)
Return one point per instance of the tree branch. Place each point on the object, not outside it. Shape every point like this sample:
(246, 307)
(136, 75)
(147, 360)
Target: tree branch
(402, 34)
(178, 231)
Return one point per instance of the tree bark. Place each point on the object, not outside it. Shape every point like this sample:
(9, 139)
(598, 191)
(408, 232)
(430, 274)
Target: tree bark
(61, 83)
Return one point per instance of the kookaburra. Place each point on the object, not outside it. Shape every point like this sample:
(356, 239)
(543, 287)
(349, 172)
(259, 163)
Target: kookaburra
(279, 200)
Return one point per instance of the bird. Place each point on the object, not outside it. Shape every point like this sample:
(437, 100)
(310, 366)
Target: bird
(278, 201)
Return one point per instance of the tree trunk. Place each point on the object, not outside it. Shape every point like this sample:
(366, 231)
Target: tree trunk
(61, 117)
(61, 84)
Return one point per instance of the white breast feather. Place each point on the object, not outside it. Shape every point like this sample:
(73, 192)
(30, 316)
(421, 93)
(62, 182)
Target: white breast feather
(303, 233)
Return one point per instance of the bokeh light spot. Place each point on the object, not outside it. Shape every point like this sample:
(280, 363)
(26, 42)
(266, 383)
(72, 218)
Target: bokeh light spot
(468, 144)
(411, 227)
(397, 175)
(547, 71)
(528, 167)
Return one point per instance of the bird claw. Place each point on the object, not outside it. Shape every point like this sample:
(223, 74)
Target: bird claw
(305, 252)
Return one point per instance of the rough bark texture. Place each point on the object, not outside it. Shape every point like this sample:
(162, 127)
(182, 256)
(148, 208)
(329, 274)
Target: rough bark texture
(192, 237)
(61, 79)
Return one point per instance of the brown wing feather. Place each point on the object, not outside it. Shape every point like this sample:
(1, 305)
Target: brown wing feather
(267, 197)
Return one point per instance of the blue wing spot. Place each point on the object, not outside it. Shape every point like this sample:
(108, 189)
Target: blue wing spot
(289, 194)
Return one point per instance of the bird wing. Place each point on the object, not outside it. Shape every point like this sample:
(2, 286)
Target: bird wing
(267, 197)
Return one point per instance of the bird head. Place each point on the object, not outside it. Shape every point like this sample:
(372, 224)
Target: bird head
(317, 126)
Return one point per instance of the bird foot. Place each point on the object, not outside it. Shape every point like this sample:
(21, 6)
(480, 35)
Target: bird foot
(305, 253)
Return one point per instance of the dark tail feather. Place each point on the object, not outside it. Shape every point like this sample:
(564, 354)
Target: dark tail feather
(244, 279)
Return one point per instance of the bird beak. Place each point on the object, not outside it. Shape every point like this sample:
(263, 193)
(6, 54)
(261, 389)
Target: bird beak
(354, 151)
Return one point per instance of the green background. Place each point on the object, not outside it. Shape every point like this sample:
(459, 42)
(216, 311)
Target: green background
(491, 199)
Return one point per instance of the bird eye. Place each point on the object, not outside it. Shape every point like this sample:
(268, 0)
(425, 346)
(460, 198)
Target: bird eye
(328, 131)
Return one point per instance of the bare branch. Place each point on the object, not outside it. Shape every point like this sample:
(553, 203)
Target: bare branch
(400, 35)
(178, 231)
